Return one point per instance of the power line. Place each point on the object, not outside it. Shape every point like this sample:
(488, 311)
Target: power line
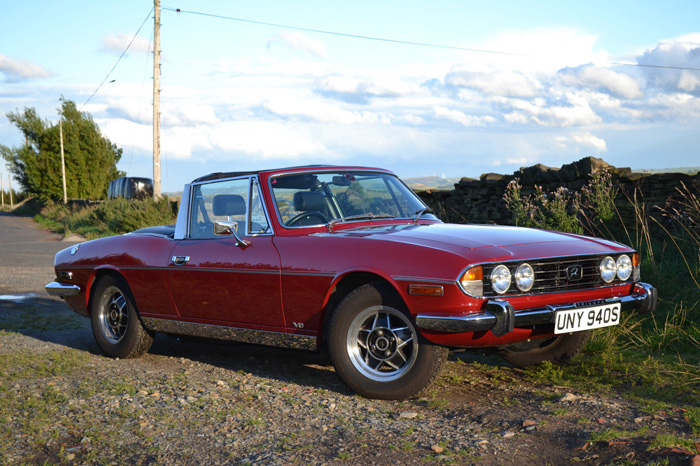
(667, 67)
(396, 41)
(118, 60)
(341, 34)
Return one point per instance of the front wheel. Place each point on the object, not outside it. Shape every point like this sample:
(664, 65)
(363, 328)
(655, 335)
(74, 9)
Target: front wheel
(115, 323)
(559, 350)
(376, 349)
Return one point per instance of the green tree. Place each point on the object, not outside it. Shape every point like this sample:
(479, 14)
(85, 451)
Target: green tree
(91, 159)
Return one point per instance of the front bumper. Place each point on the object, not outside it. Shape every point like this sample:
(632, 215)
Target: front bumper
(501, 318)
(61, 289)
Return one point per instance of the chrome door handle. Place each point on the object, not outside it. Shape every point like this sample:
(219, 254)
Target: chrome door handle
(179, 260)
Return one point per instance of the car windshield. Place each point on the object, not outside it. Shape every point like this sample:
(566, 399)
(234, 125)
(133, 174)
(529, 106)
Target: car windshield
(329, 198)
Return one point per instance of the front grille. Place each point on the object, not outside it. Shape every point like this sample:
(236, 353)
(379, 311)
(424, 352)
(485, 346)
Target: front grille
(551, 275)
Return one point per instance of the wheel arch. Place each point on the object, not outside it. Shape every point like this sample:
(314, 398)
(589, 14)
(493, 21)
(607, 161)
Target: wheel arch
(98, 275)
(343, 286)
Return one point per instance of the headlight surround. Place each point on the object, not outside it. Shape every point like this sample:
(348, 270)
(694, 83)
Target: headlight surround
(624, 267)
(524, 277)
(472, 281)
(500, 279)
(608, 269)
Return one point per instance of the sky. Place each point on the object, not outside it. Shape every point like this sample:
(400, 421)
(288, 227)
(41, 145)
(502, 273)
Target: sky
(452, 88)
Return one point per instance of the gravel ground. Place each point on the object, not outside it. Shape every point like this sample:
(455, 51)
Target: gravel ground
(191, 402)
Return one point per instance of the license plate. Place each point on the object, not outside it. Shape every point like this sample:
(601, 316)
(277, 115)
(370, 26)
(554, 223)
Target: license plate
(587, 318)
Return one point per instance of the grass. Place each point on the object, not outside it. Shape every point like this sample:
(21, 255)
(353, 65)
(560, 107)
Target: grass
(652, 359)
(15, 366)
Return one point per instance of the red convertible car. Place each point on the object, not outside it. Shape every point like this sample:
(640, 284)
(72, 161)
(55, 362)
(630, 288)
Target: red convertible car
(348, 260)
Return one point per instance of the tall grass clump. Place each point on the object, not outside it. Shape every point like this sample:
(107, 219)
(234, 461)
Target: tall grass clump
(111, 217)
(656, 356)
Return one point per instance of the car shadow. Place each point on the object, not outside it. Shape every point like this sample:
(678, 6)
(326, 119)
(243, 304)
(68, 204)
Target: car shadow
(311, 370)
(51, 321)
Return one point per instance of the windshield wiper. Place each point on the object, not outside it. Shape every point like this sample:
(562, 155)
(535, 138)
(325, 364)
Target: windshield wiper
(350, 218)
(420, 212)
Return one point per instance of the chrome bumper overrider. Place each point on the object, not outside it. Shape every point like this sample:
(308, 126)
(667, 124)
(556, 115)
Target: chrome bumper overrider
(61, 289)
(500, 317)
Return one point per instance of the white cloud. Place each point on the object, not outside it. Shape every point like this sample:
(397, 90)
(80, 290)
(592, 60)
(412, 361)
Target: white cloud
(188, 114)
(317, 111)
(363, 89)
(539, 50)
(127, 134)
(679, 53)
(499, 82)
(297, 41)
(20, 70)
(604, 79)
(117, 43)
(461, 117)
(260, 139)
(581, 142)
(570, 110)
(267, 140)
(270, 107)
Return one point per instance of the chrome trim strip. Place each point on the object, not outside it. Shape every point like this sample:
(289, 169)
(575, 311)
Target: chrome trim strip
(486, 320)
(308, 274)
(61, 289)
(243, 335)
(207, 269)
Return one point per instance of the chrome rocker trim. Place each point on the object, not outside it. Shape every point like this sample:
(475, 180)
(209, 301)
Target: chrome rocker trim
(242, 335)
(61, 289)
(500, 317)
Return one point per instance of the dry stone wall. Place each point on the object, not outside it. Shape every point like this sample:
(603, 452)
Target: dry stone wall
(481, 200)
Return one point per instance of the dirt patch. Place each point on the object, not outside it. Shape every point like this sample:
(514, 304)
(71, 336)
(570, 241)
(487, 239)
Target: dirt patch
(199, 402)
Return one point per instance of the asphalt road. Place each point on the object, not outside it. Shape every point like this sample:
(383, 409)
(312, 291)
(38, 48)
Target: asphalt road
(26, 256)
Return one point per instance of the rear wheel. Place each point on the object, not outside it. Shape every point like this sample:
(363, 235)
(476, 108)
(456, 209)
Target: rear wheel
(115, 323)
(559, 349)
(376, 349)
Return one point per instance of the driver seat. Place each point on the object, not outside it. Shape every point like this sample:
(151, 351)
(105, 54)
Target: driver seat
(310, 201)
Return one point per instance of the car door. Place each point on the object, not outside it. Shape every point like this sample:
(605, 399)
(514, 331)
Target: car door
(219, 279)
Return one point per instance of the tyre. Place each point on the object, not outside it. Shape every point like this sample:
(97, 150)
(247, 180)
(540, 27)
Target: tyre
(115, 323)
(375, 348)
(560, 350)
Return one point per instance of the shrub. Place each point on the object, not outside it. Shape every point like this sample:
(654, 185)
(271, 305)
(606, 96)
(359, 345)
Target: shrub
(111, 217)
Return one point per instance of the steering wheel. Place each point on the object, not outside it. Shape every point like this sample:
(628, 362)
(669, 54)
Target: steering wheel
(306, 218)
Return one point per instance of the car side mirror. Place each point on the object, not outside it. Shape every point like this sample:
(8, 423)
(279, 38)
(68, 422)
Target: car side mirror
(224, 228)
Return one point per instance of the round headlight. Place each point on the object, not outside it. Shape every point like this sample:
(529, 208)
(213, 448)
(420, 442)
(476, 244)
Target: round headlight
(608, 269)
(624, 267)
(524, 277)
(500, 279)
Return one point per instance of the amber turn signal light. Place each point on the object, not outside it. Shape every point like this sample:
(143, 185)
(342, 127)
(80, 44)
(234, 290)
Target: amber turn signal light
(426, 290)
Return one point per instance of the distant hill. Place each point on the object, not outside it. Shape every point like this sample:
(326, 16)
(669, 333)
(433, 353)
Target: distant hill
(684, 170)
(425, 183)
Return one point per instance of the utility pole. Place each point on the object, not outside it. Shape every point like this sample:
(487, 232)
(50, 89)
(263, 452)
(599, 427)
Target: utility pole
(63, 163)
(2, 190)
(156, 101)
(9, 182)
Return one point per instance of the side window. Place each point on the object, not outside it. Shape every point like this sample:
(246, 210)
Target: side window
(258, 220)
(222, 200)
